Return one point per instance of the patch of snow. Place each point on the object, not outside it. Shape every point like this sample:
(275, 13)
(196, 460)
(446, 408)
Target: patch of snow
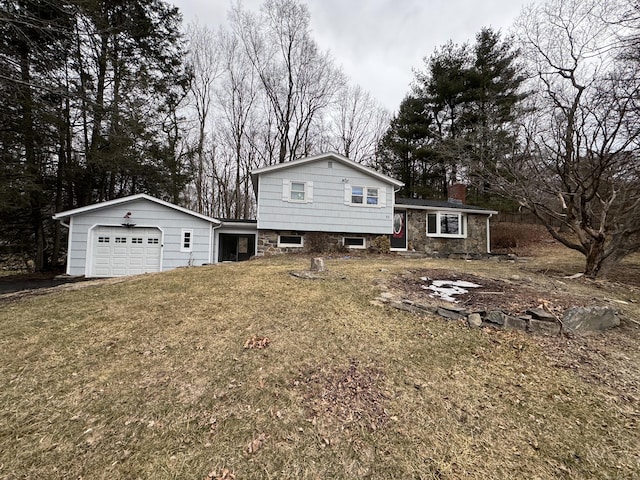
(446, 289)
(456, 283)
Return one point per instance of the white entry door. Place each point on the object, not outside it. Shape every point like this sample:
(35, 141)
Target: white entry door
(119, 251)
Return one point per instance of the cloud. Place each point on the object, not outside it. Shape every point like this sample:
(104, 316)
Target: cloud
(379, 42)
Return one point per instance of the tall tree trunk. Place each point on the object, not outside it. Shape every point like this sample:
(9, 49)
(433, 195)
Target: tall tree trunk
(32, 171)
(93, 163)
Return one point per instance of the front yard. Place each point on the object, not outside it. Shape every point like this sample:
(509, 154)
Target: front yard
(149, 377)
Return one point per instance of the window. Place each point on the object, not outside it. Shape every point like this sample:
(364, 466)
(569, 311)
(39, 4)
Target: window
(153, 241)
(296, 191)
(187, 241)
(446, 224)
(103, 239)
(372, 196)
(354, 242)
(136, 240)
(357, 195)
(121, 239)
(290, 241)
(364, 196)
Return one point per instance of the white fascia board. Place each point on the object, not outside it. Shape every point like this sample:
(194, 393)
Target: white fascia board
(239, 225)
(329, 156)
(131, 198)
(445, 209)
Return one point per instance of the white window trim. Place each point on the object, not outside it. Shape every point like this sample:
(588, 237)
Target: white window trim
(382, 196)
(184, 249)
(291, 245)
(286, 191)
(462, 221)
(355, 247)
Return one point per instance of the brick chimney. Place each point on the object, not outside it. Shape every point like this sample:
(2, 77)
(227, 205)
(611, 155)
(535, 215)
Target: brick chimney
(457, 192)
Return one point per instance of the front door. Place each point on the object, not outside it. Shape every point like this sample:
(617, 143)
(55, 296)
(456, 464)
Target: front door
(399, 235)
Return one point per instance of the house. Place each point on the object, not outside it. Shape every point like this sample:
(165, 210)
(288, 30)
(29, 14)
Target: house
(323, 202)
(349, 205)
(136, 234)
(326, 195)
(443, 227)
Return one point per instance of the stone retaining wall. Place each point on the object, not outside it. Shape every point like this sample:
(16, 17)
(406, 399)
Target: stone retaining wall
(535, 320)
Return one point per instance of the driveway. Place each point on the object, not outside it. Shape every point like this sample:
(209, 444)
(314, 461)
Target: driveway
(33, 281)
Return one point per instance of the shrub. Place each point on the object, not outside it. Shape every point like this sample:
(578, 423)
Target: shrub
(318, 242)
(381, 244)
(512, 237)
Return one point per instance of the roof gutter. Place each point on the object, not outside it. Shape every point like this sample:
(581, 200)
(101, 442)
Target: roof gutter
(448, 209)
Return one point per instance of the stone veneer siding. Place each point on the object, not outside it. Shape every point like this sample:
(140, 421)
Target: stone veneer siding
(268, 241)
(475, 243)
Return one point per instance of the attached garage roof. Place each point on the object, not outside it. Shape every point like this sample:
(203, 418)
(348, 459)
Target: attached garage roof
(125, 200)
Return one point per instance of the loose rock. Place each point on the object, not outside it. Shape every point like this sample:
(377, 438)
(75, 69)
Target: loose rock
(474, 320)
(589, 319)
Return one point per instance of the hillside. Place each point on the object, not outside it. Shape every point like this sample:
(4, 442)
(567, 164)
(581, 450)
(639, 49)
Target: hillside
(245, 371)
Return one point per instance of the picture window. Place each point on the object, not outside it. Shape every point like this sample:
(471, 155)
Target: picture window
(446, 224)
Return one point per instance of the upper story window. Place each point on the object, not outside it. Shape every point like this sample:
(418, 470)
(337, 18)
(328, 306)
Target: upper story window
(444, 224)
(297, 192)
(372, 196)
(366, 196)
(357, 195)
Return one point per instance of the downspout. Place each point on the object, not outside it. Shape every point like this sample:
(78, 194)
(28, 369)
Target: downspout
(213, 238)
(489, 234)
(67, 225)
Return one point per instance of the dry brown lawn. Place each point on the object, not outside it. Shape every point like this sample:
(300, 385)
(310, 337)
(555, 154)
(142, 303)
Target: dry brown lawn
(242, 371)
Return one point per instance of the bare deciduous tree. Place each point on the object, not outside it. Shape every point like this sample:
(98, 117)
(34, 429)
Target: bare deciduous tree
(298, 80)
(205, 67)
(580, 166)
(357, 124)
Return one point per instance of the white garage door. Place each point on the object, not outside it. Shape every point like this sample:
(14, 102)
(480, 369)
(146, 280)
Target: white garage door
(119, 251)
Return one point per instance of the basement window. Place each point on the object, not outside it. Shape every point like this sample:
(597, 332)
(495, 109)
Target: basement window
(290, 241)
(445, 224)
(354, 242)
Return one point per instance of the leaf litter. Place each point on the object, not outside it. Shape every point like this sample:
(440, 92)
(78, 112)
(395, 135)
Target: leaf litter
(352, 395)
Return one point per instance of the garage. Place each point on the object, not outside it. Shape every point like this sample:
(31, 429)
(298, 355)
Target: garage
(121, 251)
(135, 235)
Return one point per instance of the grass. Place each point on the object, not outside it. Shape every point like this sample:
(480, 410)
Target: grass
(149, 378)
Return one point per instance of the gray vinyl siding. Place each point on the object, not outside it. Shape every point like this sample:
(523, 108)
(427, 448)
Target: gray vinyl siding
(144, 214)
(327, 211)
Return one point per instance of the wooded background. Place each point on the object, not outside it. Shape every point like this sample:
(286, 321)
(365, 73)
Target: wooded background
(102, 99)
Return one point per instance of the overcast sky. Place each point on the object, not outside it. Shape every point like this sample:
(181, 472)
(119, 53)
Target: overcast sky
(379, 42)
